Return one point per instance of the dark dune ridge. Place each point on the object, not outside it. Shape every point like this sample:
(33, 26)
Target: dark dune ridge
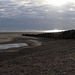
(44, 56)
(70, 34)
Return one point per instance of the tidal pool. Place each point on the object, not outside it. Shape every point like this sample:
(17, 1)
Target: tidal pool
(6, 46)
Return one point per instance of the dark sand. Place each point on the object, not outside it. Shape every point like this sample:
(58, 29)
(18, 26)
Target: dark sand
(42, 57)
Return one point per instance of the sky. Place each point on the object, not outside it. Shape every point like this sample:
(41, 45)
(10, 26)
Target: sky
(37, 15)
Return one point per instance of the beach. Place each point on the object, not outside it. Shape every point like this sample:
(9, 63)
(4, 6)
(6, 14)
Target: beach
(42, 56)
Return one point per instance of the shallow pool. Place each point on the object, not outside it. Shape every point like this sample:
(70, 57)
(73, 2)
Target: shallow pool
(6, 46)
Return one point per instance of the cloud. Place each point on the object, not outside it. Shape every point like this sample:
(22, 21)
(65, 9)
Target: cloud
(2, 9)
(36, 14)
(15, 8)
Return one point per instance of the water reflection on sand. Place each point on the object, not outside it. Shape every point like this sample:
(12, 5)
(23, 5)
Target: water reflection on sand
(6, 46)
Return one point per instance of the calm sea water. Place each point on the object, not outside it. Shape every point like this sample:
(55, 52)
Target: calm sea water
(54, 30)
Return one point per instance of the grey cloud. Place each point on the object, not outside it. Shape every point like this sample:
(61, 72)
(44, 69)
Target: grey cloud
(35, 14)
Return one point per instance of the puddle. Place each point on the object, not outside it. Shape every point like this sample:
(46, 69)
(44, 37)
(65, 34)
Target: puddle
(6, 46)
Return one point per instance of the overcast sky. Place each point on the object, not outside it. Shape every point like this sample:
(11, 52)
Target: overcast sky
(37, 14)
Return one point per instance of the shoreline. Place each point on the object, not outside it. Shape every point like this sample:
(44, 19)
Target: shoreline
(31, 41)
(48, 57)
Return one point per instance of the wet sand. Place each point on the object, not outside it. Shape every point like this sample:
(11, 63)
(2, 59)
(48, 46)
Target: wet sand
(43, 56)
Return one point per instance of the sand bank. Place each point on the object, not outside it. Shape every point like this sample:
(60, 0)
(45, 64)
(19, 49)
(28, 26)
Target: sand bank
(52, 57)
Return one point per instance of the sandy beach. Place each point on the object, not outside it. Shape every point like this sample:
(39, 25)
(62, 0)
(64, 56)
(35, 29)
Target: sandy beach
(43, 56)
